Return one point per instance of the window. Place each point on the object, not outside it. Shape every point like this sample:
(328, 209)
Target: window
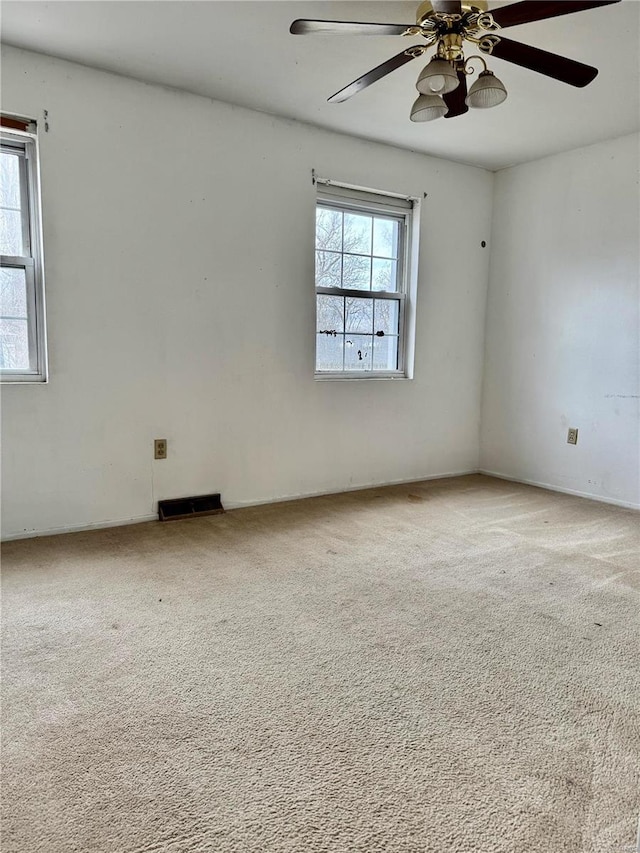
(365, 272)
(22, 335)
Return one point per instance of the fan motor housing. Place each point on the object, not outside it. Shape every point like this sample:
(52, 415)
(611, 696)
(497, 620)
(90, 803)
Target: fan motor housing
(425, 10)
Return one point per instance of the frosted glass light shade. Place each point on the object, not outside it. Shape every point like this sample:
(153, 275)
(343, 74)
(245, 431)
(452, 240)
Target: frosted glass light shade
(437, 78)
(428, 108)
(486, 92)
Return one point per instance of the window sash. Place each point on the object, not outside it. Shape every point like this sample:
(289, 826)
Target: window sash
(400, 218)
(26, 264)
(400, 355)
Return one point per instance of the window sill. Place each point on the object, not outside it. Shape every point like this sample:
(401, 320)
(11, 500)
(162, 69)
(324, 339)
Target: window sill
(366, 376)
(23, 379)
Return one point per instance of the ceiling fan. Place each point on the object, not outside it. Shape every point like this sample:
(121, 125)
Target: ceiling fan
(447, 24)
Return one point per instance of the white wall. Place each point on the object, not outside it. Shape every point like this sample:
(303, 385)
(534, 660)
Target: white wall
(562, 344)
(179, 268)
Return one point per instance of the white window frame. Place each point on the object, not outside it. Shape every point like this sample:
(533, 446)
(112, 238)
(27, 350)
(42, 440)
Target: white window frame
(349, 197)
(32, 261)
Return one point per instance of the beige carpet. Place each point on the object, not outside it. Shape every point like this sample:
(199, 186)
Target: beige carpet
(447, 666)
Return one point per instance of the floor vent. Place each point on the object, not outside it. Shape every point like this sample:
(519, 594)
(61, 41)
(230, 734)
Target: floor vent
(189, 507)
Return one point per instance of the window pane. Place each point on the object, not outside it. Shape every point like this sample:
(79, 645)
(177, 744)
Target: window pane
(357, 233)
(358, 352)
(329, 313)
(329, 352)
(358, 315)
(10, 232)
(328, 269)
(387, 313)
(14, 344)
(385, 238)
(328, 229)
(9, 180)
(13, 292)
(356, 272)
(385, 353)
(384, 275)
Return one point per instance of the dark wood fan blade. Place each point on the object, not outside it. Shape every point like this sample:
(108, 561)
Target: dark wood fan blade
(447, 7)
(559, 67)
(370, 77)
(456, 100)
(539, 10)
(304, 27)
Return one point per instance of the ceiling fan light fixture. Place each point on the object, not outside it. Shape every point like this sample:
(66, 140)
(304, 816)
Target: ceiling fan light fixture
(428, 108)
(487, 91)
(438, 77)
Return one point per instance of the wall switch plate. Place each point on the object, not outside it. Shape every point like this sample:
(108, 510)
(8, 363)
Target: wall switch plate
(160, 448)
(572, 435)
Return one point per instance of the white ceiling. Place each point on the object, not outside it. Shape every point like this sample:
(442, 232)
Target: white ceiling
(241, 52)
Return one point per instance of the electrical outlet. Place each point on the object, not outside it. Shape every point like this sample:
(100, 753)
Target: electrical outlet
(572, 435)
(160, 448)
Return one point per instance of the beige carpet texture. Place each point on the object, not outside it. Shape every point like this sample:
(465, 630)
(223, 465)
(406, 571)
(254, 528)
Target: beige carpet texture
(445, 667)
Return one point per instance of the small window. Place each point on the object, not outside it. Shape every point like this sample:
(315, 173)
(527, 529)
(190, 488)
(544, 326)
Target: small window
(363, 273)
(22, 335)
